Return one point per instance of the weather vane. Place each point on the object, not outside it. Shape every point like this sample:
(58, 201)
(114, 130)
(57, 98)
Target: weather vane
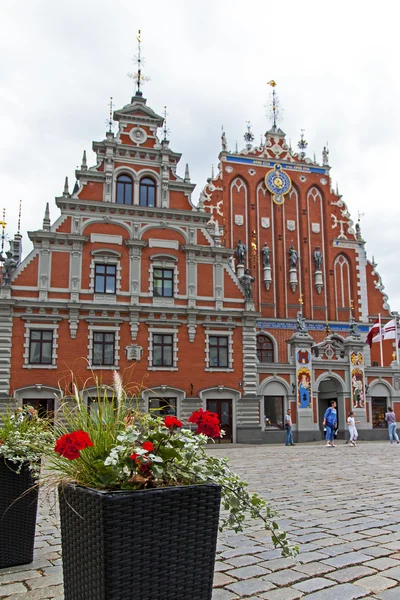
(301, 299)
(351, 305)
(138, 77)
(274, 106)
(248, 136)
(19, 217)
(109, 121)
(302, 144)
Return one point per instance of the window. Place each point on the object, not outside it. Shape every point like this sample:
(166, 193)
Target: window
(218, 348)
(105, 279)
(147, 193)
(265, 349)
(103, 348)
(163, 282)
(124, 189)
(162, 350)
(162, 407)
(40, 346)
(378, 410)
(273, 412)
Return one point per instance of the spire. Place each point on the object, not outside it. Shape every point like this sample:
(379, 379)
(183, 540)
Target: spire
(337, 189)
(84, 162)
(109, 121)
(46, 220)
(187, 175)
(315, 160)
(19, 218)
(236, 148)
(248, 136)
(66, 188)
(302, 145)
(165, 130)
(138, 77)
(212, 171)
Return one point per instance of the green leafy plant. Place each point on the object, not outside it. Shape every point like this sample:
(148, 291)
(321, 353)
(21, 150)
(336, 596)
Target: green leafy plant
(25, 438)
(111, 445)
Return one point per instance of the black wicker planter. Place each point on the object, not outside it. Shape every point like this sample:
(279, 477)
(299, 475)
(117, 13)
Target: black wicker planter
(146, 545)
(18, 506)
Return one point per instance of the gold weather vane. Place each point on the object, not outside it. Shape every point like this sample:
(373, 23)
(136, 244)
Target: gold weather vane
(3, 227)
(351, 304)
(301, 299)
(275, 104)
(138, 77)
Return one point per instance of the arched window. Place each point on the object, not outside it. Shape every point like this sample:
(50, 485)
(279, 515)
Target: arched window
(265, 349)
(147, 195)
(124, 189)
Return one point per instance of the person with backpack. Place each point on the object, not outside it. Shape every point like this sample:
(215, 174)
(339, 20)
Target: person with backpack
(330, 423)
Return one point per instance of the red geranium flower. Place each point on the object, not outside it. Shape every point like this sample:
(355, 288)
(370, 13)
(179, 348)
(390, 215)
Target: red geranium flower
(134, 456)
(69, 445)
(207, 423)
(172, 422)
(148, 446)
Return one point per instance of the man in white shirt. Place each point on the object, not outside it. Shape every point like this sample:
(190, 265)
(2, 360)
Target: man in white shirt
(288, 427)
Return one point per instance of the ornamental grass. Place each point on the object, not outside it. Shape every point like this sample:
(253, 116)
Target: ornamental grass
(110, 444)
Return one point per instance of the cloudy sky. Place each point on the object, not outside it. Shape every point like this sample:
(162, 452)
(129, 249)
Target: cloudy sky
(336, 65)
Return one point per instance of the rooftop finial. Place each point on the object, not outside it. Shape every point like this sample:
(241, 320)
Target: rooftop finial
(3, 230)
(84, 162)
(248, 136)
(46, 219)
(109, 121)
(66, 188)
(212, 171)
(302, 145)
(274, 105)
(187, 175)
(138, 77)
(19, 217)
(165, 129)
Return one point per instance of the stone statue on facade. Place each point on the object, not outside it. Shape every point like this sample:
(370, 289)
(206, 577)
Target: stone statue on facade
(9, 264)
(318, 258)
(224, 142)
(325, 156)
(293, 257)
(265, 252)
(301, 323)
(354, 331)
(240, 252)
(247, 280)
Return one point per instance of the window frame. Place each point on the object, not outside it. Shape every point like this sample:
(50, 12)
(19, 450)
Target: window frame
(163, 345)
(219, 333)
(163, 279)
(144, 185)
(268, 351)
(163, 331)
(124, 185)
(41, 343)
(103, 344)
(105, 276)
(219, 347)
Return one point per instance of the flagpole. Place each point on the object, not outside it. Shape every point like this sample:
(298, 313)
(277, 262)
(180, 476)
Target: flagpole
(380, 341)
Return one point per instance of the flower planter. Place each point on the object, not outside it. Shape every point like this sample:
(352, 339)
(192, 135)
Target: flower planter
(18, 507)
(156, 544)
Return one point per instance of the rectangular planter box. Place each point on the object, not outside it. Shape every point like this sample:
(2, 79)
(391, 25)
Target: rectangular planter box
(156, 544)
(18, 507)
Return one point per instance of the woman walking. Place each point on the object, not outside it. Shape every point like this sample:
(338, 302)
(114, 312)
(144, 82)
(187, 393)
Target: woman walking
(330, 423)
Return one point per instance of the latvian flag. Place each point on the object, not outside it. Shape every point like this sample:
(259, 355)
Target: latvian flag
(373, 333)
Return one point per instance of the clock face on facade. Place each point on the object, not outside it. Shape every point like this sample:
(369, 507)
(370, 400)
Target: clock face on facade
(278, 183)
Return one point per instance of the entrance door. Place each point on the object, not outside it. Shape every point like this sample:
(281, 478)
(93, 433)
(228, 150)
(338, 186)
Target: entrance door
(44, 407)
(223, 408)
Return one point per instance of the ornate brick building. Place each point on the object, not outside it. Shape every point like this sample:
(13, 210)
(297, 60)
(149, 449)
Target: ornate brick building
(255, 300)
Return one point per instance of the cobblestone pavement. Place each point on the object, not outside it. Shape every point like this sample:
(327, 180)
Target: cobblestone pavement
(340, 505)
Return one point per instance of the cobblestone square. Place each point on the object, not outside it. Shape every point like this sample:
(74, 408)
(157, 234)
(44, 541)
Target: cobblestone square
(340, 505)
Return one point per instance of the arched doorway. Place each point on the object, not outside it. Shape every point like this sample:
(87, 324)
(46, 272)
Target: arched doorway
(330, 388)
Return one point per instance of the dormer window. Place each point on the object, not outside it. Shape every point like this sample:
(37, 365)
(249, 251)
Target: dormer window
(124, 190)
(147, 194)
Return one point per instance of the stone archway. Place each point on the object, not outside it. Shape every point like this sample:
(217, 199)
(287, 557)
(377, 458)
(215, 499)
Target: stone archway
(330, 388)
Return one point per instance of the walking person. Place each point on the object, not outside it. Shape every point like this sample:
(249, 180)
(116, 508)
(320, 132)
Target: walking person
(288, 427)
(390, 419)
(351, 424)
(330, 423)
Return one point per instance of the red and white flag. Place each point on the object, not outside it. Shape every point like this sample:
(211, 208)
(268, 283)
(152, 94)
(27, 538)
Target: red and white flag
(388, 332)
(373, 333)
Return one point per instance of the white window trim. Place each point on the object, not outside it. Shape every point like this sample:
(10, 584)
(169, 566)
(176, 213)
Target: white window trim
(104, 329)
(219, 333)
(175, 359)
(164, 264)
(100, 259)
(48, 326)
